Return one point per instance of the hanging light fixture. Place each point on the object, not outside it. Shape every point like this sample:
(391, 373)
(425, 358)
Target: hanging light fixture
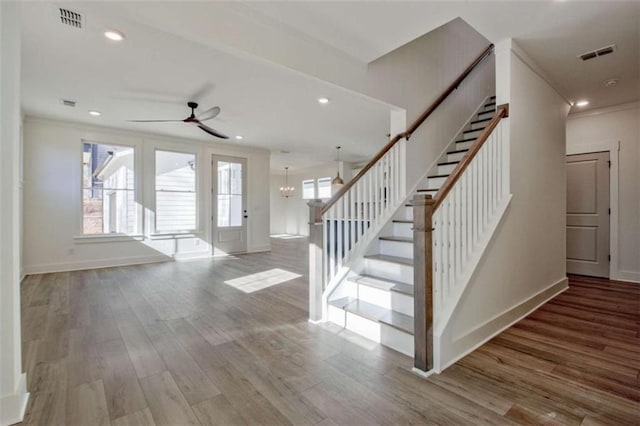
(286, 191)
(337, 181)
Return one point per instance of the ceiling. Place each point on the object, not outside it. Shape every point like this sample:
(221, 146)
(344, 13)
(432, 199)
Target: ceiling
(266, 63)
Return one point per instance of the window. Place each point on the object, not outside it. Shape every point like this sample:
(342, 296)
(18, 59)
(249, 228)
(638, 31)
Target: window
(176, 204)
(308, 189)
(230, 211)
(108, 202)
(324, 187)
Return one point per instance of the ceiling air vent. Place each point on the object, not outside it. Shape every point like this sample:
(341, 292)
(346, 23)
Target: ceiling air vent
(598, 52)
(71, 18)
(68, 103)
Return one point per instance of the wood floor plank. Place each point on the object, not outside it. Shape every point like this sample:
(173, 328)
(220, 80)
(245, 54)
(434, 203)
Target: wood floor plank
(167, 404)
(87, 405)
(139, 418)
(209, 353)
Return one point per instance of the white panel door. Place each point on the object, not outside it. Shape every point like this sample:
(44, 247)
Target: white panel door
(588, 214)
(229, 204)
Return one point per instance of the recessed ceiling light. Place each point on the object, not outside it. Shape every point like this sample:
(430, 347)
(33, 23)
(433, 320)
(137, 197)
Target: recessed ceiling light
(114, 35)
(323, 100)
(94, 113)
(582, 103)
(610, 82)
(239, 137)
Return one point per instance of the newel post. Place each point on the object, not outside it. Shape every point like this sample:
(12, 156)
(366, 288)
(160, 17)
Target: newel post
(423, 281)
(316, 270)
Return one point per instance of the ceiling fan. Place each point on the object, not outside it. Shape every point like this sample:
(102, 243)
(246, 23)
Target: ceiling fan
(192, 119)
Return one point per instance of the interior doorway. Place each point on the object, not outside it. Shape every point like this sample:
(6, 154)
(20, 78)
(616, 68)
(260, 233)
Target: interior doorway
(588, 214)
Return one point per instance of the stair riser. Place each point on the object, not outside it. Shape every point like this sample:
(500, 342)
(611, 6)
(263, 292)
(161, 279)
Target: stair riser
(486, 113)
(435, 183)
(464, 145)
(456, 157)
(403, 230)
(390, 271)
(473, 134)
(392, 300)
(479, 125)
(373, 330)
(407, 214)
(397, 340)
(395, 248)
(446, 170)
(487, 108)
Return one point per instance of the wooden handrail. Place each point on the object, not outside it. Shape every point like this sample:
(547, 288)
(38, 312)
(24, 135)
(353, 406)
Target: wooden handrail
(407, 133)
(502, 112)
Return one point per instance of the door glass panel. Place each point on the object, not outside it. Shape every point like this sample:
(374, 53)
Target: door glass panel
(230, 209)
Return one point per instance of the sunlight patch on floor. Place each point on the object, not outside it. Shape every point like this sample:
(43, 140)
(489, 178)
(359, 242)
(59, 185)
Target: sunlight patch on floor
(262, 280)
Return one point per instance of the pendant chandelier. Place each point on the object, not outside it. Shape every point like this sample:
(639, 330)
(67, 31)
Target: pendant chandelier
(286, 191)
(337, 181)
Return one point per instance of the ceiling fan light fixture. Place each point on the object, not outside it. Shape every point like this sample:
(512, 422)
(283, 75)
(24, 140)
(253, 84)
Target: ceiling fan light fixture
(114, 35)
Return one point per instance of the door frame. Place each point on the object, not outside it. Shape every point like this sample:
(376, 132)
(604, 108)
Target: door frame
(213, 201)
(613, 147)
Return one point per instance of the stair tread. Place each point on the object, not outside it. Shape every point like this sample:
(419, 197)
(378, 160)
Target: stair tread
(490, 104)
(399, 321)
(448, 163)
(390, 259)
(375, 313)
(438, 176)
(427, 190)
(491, 111)
(375, 282)
(403, 288)
(458, 151)
(396, 239)
(474, 130)
(402, 220)
(480, 120)
(373, 278)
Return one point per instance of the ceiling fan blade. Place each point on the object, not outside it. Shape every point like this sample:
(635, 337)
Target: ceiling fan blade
(212, 132)
(155, 121)
(209, 114)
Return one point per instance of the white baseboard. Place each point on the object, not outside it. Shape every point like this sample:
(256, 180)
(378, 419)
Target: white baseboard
(472, 340)
(260, 249)
(421, 373)
(94, 264)
(13, 407)
(630, 276)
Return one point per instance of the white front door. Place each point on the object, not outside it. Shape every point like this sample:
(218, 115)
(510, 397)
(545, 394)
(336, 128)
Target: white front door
(588, 214)
(229, 204)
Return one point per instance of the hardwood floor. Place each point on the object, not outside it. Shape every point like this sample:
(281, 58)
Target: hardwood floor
(172, 344)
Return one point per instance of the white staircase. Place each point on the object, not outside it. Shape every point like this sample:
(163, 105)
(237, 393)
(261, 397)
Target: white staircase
(378, 302)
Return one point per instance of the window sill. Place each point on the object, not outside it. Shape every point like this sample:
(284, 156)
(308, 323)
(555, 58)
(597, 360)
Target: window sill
(107, 238)
(175, 235)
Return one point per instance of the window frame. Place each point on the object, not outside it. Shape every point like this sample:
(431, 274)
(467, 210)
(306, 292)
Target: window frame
(323, 179)
(154, 233)
(313, 182)
(137, 233)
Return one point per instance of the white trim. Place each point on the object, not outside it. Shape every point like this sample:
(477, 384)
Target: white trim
(106, 238)
(13, 407)
(629, 276)
(259, 249)
(504, 320)
(613, 147)
(94, 264)
(423, 374)
(605, 110)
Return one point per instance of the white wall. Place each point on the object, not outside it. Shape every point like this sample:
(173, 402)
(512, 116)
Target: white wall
(13, 392)
(52, 198)
(621, 124)
(291, 215)
(524, 264)
(414, 75)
